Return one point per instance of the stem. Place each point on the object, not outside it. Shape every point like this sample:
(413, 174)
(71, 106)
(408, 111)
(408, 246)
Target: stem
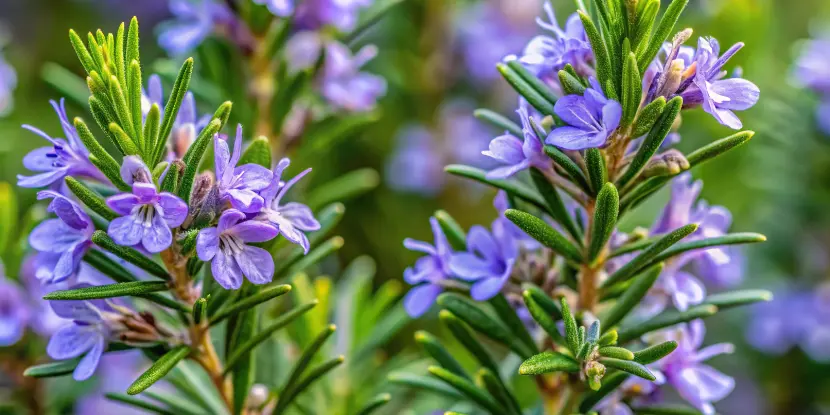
(587, 274)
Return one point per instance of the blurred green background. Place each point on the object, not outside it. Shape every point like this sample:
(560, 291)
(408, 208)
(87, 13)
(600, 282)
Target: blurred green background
(778, 185)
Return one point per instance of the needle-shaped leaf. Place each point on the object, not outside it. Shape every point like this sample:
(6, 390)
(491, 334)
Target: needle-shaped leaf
(629, 366)
(468, 389)
(649, 254)
(616, 353)
(438, 352)
(728, 239)
(601, 56)
(424, 383)
(499, 121)
(496, 387)
(512, 187)
(507, 314)
(455, 233)
(548, 236)
(526, 90)
(571, 168)
(729, 299)
(556, 206)
(121, 289)
(544, 300)
(139, 403)
(171, 110)
(258, 152)
(130, 255)
(193, 157)
(632, 90)
(159, 368)
(655, 353)
(665, 410)
(90, 198)
(313, 375)
(84, 56)
(597, 170)
(664, 320)
(631, 297)
(571, 85)
(664, 29)
(718, 147)
(259, 297)
(374, 404)
(542, 317)
(652, 142)
(465, 336)
(347, 186)
(53, 369)
(605, 221)
(548, 362)
(470, 313)
(571, 332)
(533, 81)
(648, 116)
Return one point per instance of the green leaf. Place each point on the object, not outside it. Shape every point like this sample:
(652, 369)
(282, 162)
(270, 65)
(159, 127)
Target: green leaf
(609, 338)
(423, 383)
(66, 82)
(534, 82)
(455, 233)
(83, 54)
(53, 369)
(346, 186)
(544, 301)
(544, 233)
(605, 221)
(102, 117)
(468, 389)
(730, 299)
(647, 54)
(114, 270)
(601, 56)
(499, 121)
(718, 147)
(151, 126)
(323, 136)
(548, 362)
(90, 198)
(728, 239)
(665, 410)
(193, 157)
(105, 162)
(374, 404)
(175, 402)
(258, 152)
(121, 289)
(266, 294)
(494, 385)
(655, 353)
(200, 311)
(314, 374)
(631, 297)
(556, 206)
(571, 168)
(223, 113)
(597, 171)
(610, 383)
(316, 255)
(437, 351)
(122, 111)
(134, 96)
(130, 255)
(526, 90)
(648, 116)
(139, 403)
(513, 188)
(242, 328)
(170, 183)
(304, 361)
(640, 261)
(159, 368)
(507, 315)
(124, 140)
(616, 353)
(571, 85)
(281, 322)
(171, 110)
(629, 366)
(632, 90)
(664, 320)
(571, 332)
(132, 50)
(465, 336)
(652, 142)
(470, 313)
(542, 317)
(645, 23)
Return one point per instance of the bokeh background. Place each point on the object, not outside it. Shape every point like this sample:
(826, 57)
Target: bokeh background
(438, 57)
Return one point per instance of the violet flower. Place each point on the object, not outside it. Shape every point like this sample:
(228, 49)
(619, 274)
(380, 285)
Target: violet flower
(65, 157)
(88, 334)
(488, 261)
(231, 257)
(591, 119)
(291, 219)
(428, 272)
(708, 88)
(546, 55)
(8, 83)
(281, 8)
(146, 215)
(812, 69)
(343, 84)
(240, 185)
(518, 154)
(342, 14)
(62, 242)
(194, 21)
(15, 312)
(697, 383)
(416, 165)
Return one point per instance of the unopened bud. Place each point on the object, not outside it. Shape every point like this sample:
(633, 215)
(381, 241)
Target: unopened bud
(258, 395)
(670, 162)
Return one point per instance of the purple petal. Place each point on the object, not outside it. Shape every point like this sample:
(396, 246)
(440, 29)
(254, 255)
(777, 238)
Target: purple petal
(39, 159)
(69, 262)
(126, 230)
(254, 231)
(122, 203)
(174, 209)
(53, 235)
(687, 290)
(700, 385)
(611, 115)
(75, 310)
(86, 367)
(43, 179)
(741, 93)
(506, 149)
(573, 110)
(486, 289)
(245, 200)
(207, 243)
(480, 241)
(133, 168)
(11, 330)
(226, 272)
(222, 157)
(300, 216)
(507, 171)
(157, 237)
(256, 264)
(146, 192)
(254, 176)
(229, 218)
(67, 210)
(71, 341)
(572, 138)
(419, 299)
(418, 246)
(469, 267)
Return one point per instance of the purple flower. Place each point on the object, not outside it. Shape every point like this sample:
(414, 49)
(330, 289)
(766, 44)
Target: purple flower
(89, 333)
(342, 83)
(8, 83)
(812, 70)
(226, 246)
(291, 219)
(428, 272)
(239, 185)
(518, 154)
(773, 330)
(281, 8)
(591, 119)
(342, 14)
(697, 383)
(718, 96)
(146, 215)
(546, 55)
(187, 122)
(65, 157)
(195, 21)
(15, 312)
(62, 242)
(417, 163)
(488, 261)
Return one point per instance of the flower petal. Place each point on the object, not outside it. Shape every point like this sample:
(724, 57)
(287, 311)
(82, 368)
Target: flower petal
(419, 299)
(571, 138)
(226, 272)
(174, 209)
(122, 203)
(254, 231)
(86, 367)
(71, 341)
(157, 237)
(126, 230)
(132, 168)
(207, 243)
(257, 264)
(53, 235)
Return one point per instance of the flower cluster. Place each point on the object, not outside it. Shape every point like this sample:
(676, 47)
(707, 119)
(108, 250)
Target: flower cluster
(812, 71)
(598, 116)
